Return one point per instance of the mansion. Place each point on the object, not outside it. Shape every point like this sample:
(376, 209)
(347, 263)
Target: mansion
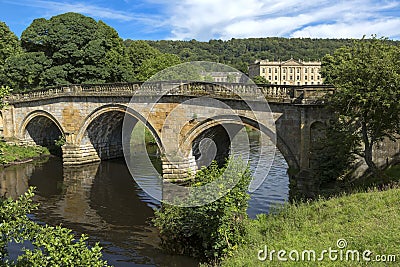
(290, 72)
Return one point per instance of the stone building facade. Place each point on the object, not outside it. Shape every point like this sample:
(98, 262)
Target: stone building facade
(290, 72)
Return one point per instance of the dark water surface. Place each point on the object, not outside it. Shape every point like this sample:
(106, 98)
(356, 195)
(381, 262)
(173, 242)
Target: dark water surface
(103, 201)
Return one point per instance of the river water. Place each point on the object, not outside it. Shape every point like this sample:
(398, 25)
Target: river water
(103, 201)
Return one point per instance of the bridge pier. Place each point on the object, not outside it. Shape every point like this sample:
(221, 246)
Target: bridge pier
(79, 154)
(178, 169)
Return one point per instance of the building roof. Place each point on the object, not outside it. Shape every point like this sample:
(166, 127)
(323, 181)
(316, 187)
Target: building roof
(289, 62)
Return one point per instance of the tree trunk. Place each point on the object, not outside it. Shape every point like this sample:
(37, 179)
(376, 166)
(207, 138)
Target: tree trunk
(368, 148)
(368, 158)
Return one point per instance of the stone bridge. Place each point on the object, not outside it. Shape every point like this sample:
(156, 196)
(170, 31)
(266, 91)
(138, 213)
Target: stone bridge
(90, 117)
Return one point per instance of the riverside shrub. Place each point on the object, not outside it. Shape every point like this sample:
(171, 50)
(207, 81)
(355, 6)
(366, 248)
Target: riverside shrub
(52, 246)
(210, 231)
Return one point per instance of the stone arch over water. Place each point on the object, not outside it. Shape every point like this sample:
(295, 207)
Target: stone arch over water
(216, 131)
(103, 130)
(41, 128)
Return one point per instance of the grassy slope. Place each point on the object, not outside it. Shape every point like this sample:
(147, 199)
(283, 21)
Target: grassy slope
(365, 220)
(13, 153)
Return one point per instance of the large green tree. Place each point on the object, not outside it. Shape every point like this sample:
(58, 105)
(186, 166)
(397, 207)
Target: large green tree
(9, 46)
(366, 76)
(76, 49)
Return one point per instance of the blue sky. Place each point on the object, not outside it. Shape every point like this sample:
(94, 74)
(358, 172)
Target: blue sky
(220, 19)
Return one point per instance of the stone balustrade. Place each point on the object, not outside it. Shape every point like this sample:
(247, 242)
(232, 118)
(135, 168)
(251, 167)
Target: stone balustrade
(273, 93)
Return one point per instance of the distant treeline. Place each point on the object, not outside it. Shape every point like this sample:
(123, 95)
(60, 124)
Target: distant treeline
(238, 53)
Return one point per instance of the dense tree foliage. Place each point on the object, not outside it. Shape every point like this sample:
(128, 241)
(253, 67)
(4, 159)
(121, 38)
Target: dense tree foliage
(153, 65)
(138, 51)
(260, 80)
(238, 53)
(9, 44)
(68, 48)
(367, 79)
(51, 246)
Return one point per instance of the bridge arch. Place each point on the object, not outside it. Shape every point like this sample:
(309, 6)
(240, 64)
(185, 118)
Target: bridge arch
(199, 130)
(42, 128)
(103, 127)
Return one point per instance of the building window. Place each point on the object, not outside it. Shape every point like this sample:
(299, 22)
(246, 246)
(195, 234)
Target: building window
(312, 83)
(269, 78)
(298, 77)
(284, 83)
(284, 77)
(318, 77)
(269, 70)
(291, 70)
(305, 70)
(312, 70)
(305, 77)
(284, 70)
(298, 83)
(312, 77)
(276, 70)
(305, 83)
(298, 70)
(291, 77)
(263, 70)
(276, 78)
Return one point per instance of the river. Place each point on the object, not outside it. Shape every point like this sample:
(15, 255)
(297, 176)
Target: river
(103, 201)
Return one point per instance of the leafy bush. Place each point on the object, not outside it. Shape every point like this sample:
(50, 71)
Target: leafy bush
(210, 231)
(53, 246)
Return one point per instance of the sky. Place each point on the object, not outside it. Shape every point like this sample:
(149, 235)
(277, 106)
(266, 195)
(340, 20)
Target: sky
(220, 19)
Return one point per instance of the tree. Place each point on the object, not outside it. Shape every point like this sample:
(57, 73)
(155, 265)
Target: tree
(260, 80)
(138, 51)
(9, 46)
(73, 49)
(366, 76)
(30, 70)
(155, 64)
(4, 91)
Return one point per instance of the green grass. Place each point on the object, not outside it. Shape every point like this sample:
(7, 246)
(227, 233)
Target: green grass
(367, 221)
(13, 153)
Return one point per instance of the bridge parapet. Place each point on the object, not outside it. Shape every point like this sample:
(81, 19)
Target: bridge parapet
(273, 93)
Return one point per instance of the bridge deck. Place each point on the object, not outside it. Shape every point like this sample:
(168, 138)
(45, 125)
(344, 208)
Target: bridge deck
(273, 93)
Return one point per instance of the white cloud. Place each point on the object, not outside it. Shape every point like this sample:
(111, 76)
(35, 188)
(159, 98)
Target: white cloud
(206, 19)
(381, 28)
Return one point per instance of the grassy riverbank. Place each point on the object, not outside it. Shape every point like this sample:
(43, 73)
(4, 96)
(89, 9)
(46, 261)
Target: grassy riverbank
(13, 154)
(367, 221)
